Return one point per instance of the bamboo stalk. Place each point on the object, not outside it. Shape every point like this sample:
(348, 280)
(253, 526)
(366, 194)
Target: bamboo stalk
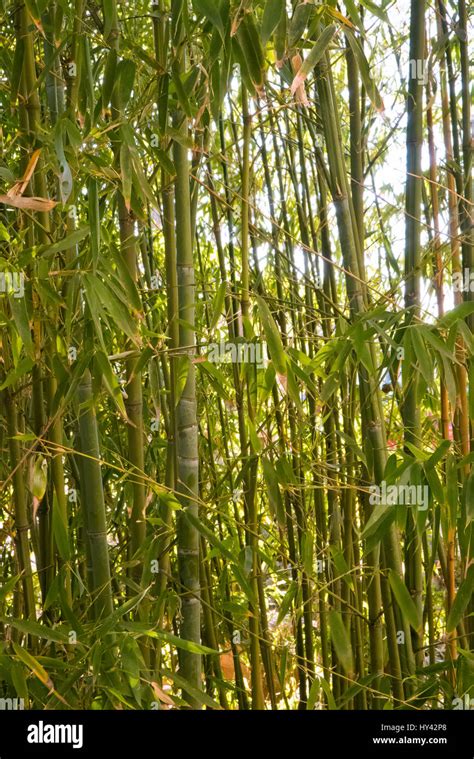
(186, 410)
(95, 520)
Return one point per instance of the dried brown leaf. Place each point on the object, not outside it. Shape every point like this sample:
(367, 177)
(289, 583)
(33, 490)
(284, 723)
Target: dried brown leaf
(161, 695)
(20, 187)
(29, 204)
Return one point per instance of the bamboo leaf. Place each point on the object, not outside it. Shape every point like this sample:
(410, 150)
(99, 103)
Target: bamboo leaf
(313, 694)
(28, 204)
(274, 494)
(273, 337)
(126, 173)
(298, 23)
(469, 498)
(181, 93)
(314, 56)
(452, 494)
(60, 531)
(251, 46)
(280, 38)
(460, 312)
(404, 600)
(28, 627)
(218, 305)
(439, 454)
(365, 72)
(168, 499)
(114, 306)
(342, 568)
(209, 9)
(70, 241)
(7, 587)
(35, 13)
(422, 355)
(22, 324)
(94, 219)
(110, 381)
(329, 388)
(125, 78)
(33, 664)
(341, 642)
(18, 674)
(166, 162)
(287, 601)
(463, 596)
(109, 16)
(95, 308)
(354, 14)
(141, 628)
(274, 9)
(327, 689)
(109, 76)
(434, 483)
(450, 381)
(199, 696)
(24, 366)
(16, 70)
(377, 11)
(39, 477)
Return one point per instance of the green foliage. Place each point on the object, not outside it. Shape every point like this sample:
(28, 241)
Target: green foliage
(179, 529)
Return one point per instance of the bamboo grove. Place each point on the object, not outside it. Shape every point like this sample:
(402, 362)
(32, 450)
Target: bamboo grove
(237, 360)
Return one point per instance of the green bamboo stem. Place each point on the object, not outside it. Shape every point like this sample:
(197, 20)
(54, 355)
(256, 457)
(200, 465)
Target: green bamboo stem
(31, 103)
(467, 229)
(22, 522)
(410, 406)
(357, 173)
(252, 463)
(186, 410)
(56, 104)
(93, 505)
(134, 405)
